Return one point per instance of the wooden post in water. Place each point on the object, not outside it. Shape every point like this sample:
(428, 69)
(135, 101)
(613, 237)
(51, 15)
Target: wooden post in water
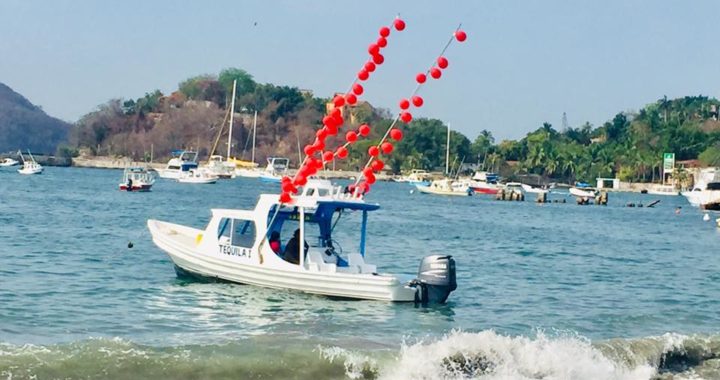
(541, 198)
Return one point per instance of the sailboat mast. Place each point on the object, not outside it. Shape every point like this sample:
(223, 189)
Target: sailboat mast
(232, 113)
(254, 130)
(447, 153)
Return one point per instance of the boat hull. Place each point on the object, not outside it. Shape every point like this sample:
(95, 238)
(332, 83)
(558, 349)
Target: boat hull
(180, 244)
(135, 188)
(582, 193)
(431, 190)
(30, 171)
(484, 190)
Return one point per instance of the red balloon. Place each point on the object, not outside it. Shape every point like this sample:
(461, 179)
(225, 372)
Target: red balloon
(332, 130)
(357, 88)
(319, 145)
(301, 180)
(363, 74)
(377, 165)
(287, 187)
(341, 152)
(384, 31)
(373, 151)
(309, 150)
(373, 49)
(442, 62)
(338, 121)
(435, 73)
(381, 42)
(421, 78)
(460, 35)
(406, 117)
(286, 179)
(404, 104)
(339, 101)
(370, 179)
(327, 120)
(335, 113)
(387, 147)
(396, 134)
(364, 129)
(328, 156)
(351, 136)
(417, 101)
(399, 24)
(368, 172)
(285, 198)
(378, 59)
(322, 133)
(370, 66)
(351, 99)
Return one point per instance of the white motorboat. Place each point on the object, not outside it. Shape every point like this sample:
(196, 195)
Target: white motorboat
(217, 166)
(534, 190)
(30, 167)
(197, 176)
(182, 161)
(662, 190)
(8, 162)
(234, 247)
(446, 187)
(136, 179)
(706, 192)
(416, 177)
(275, 169)
(485, 183)
(581, 191)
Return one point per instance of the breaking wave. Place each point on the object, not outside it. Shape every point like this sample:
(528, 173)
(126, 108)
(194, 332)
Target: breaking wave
(457, 355)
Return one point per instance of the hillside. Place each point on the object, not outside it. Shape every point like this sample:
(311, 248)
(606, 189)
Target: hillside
(25, 126)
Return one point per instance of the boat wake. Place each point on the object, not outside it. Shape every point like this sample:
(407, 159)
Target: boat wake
(458, 355)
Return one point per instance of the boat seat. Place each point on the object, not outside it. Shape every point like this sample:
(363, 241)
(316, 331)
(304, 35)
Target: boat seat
(356, 260)
(316, 262)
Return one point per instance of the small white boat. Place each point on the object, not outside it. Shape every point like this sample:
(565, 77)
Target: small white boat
(30, 167)
(182, 161)
(275, 169)
(662, 190)
(136, 179)
(446, 187)
(234, 247)
(197, 176)
(583, 191)
(531, 189)
(416, 177)
(8, 162)
(217, 166)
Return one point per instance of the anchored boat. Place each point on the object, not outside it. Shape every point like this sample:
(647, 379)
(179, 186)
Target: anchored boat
(181, 162)
(235, 246)
(30, 167)
(446, 187)
(136, 179)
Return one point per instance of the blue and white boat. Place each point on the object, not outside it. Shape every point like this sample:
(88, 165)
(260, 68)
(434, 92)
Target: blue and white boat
(181, 162)
(234, 246)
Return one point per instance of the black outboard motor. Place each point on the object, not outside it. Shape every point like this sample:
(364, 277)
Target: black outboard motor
(436, 279)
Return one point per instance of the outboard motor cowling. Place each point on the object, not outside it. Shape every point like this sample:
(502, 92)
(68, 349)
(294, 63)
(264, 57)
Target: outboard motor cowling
(436, 279)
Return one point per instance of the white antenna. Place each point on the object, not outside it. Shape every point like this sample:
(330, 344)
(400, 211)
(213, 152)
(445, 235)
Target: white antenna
(254, 129)
(447, 153)
(232, 113)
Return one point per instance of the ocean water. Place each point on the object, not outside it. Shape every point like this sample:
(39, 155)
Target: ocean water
(551, 291)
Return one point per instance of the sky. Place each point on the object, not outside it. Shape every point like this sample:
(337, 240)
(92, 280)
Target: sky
(524, 62)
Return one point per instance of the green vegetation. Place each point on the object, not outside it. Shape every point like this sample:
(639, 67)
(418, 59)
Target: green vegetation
(26, 126)
(629, 146)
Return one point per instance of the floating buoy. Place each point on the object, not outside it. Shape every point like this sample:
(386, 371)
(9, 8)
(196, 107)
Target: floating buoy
(706, 217)
(130, 244)
(413, 192)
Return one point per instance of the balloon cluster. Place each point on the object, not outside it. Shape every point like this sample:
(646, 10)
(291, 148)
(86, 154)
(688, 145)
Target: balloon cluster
(316, 154)
(374, 164)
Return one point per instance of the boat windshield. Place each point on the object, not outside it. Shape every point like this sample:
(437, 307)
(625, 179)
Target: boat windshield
(332, 227)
